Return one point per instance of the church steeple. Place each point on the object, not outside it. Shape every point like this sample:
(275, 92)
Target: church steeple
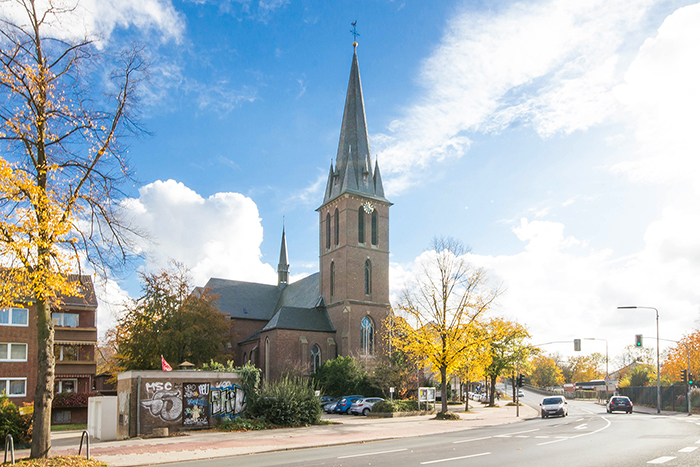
(283, 266)
(353, 172)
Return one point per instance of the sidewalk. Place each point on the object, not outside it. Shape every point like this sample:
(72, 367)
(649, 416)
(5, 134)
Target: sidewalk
(210, 444)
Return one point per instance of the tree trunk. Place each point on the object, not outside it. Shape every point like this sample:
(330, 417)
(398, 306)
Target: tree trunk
(43, 395)
(492, 396)
(443, 391)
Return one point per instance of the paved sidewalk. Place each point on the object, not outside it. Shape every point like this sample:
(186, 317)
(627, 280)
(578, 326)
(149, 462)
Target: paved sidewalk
(351, 429)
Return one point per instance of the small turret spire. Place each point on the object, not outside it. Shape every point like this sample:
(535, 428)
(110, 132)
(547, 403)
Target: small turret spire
(283, 266)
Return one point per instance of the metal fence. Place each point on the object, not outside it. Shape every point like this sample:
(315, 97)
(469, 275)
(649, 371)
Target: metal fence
(672, 397)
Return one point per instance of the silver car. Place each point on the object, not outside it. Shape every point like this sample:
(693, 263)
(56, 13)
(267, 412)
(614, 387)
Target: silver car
(555, 406)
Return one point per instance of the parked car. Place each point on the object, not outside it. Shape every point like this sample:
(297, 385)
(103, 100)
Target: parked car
(364, 406)
(330, 408)
(555, 406)
(622, 403)
(344, 403)
(325, 400)
(521, 393)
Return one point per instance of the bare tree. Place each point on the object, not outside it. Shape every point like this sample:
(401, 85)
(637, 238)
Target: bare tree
(61, 167)
(436, 315)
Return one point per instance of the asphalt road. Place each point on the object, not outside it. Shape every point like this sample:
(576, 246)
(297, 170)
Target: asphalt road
(587, 437)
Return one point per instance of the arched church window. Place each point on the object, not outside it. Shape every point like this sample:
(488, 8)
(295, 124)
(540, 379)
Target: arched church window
(368, 277)
(375, 234)
(361, 225)
(328, 231)
(315, 358)
(367, 336)
(336, 225)
(267, 359)
(245, 357)
(332, 281)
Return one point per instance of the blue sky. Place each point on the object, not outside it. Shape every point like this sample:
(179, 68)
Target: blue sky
(556, 138)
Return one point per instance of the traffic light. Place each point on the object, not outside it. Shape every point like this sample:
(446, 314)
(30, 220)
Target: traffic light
(684, 376)
(638, 340)
(521, 380)
(691, 380)
(577, 345)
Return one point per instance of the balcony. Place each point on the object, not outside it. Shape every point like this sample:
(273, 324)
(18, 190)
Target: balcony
(75, 335)
(81, 367)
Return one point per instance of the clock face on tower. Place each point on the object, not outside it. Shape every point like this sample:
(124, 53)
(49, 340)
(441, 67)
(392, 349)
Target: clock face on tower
(369, 207)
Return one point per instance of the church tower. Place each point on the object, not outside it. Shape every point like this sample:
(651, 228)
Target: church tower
(354, 234)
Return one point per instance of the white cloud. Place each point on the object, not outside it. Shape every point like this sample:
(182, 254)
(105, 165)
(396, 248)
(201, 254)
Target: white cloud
(219, 236)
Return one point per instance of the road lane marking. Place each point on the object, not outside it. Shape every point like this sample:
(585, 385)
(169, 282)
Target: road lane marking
(581, 427)
(580, 419)
(542, 437)
(688, 449)
(470, 440)
(697, 442)
(455, 458)
(372, 453)
(661, 460)
(522, 436)
(578, 436)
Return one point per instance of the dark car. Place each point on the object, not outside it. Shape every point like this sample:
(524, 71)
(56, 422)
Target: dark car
(325, 400)
(622, 403)
(345, 402)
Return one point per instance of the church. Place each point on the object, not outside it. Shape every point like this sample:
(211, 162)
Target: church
(339, 311)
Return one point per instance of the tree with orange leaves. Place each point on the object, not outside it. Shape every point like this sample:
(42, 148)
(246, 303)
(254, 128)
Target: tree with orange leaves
(60, 169)
(687, 349)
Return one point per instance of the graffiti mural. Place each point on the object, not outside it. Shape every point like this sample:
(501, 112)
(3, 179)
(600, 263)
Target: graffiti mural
(226, 400)
(196, 404)
(165, 400)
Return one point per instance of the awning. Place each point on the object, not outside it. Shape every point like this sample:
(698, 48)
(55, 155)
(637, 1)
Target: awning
(74, 342)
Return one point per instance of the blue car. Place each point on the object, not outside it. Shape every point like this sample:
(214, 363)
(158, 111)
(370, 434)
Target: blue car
(345, 402)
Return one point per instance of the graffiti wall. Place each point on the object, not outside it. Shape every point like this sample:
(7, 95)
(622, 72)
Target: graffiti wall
(178, 400)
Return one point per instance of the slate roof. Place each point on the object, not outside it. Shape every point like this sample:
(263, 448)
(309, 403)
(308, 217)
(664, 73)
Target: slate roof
(248, 300)
(302, 293)
(303, 319)
(353, 171)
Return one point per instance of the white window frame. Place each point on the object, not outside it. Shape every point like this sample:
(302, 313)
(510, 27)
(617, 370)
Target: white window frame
(6, 386)
(61, 315)
(59, 384)
(60, 352)
(9, 318)
(9, 352)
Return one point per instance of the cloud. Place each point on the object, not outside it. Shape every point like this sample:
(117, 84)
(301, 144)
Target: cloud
(551, 65)
(219, 236)
(97, 19)
(259, 11)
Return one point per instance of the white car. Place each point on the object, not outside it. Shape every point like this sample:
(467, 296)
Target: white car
(555, 406)
(521, 393)
(364, 406)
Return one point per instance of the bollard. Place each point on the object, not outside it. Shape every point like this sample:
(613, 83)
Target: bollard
(85, 435)
(11, 442)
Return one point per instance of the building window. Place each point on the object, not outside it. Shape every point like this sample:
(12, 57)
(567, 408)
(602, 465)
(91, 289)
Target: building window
(332, 279)
(68, 320)
(328, 231)
(14, 387)
(245, 357)
(13, 352)
(336, 227)
(66, 353)
(14, 317)
(267, 359)
(361, 225)
(61, 416)
(375, 234)
(66, 385)
(367, 336)
(368, 277)
(315, 358)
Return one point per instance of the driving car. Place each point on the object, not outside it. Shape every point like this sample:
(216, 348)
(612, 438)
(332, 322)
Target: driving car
(344, 403)
(555, 406)
(364, 406)
(622, 403)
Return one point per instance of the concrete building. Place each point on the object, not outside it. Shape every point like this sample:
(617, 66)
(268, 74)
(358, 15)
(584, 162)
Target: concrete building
(339, 310)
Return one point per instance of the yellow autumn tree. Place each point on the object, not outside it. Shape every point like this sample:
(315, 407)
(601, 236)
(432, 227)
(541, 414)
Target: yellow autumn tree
(436, 315)
(545, 372)
(685, 352)
(60, 169)
(472, 366)
(507, 348)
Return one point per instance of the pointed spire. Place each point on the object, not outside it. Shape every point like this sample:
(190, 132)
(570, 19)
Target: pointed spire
(283, 266)
(353, 163)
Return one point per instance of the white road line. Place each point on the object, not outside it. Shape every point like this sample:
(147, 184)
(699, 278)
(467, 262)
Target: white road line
(661, 460)
(522, 436)
(455, 458)
(697, 442)
(581, 427)
(580, 419)
(372, 453)
(470, 440)
(578, 436)
(542, 437)
(688, 449)
(521, 432)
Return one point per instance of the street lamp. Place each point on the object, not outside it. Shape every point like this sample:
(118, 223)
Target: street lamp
(658, 372)
(606, 355)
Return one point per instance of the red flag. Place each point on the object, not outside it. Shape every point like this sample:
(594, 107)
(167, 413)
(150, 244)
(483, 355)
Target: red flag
(165, 365)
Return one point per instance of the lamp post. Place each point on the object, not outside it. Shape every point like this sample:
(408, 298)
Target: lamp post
(658, 372)
(606, 354)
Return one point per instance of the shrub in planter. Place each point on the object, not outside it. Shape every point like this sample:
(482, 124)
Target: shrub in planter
(396, 406)
(287, 402)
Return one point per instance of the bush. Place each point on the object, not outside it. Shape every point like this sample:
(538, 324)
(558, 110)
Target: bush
(243, 424)
(287, 402)
(396, 406)
(11, 422)
(72, 399)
